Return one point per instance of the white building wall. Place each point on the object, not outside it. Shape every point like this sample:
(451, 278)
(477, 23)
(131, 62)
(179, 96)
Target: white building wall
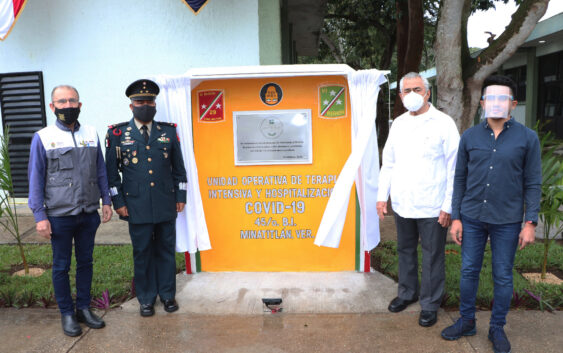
(101, 46)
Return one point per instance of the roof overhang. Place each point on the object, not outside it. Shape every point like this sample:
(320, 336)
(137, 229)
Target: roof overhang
(545, 32)
(198, 75)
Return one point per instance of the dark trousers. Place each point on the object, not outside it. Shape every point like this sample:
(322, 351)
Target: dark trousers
(82, 229)
(155, 263)
(504, 241)
(433, 240)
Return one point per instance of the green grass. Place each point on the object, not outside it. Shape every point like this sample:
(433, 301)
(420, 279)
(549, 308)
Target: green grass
(113, 271)
(529, 259)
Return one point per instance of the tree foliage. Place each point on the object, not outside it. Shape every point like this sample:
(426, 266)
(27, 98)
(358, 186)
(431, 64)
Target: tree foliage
(380, 34)
(364, 35)
(460, 75)
(8, 209)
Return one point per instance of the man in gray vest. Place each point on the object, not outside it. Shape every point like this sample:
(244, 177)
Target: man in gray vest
(67, 177)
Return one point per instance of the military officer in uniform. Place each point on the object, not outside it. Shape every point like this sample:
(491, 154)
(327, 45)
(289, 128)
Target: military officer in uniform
(150, 194)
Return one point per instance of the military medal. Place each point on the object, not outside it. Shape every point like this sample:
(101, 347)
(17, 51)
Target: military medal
(134, 160)
(129, 128)
(125, 161)
(165, 154)
(134, 153)
(127, 133)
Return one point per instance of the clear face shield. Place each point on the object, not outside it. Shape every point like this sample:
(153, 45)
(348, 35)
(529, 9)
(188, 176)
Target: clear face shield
(496, 106)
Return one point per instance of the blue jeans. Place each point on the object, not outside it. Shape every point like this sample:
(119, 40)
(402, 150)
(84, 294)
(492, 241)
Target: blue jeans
(504, 240)
(82, 228)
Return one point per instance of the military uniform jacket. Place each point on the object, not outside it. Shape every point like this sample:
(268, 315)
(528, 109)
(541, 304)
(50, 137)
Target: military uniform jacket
(154, 177)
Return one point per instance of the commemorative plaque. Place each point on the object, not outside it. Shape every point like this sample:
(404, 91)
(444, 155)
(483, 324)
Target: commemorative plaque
(273, 137)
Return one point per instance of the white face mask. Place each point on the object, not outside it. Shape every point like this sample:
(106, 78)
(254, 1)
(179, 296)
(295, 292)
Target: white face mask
(413, 101)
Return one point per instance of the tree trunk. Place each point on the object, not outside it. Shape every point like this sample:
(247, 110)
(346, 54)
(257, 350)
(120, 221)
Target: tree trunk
(545, 253)
(336, 54)
(410, 42)
(415, 42)
(382, 120)
(402, 43)
(460, 77)
(24, 260)
(447, 51)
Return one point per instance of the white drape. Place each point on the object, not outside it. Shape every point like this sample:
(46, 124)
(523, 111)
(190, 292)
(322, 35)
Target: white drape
(174, 105)
(362, 166)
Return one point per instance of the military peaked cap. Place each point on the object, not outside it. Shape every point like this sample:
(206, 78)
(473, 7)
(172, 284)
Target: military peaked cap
(142, 90)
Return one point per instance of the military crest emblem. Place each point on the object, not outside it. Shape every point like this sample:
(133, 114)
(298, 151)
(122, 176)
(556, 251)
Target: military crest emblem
(196, 5)
(211, 105)
(271, 94)
(332, 101)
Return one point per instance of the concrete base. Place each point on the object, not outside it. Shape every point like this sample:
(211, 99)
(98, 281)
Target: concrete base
(241, 293)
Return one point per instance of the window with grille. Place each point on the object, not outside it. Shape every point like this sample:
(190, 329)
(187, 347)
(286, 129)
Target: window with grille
(22, 104)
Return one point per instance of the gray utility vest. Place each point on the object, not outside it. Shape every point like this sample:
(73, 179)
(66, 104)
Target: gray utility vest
(71, 184)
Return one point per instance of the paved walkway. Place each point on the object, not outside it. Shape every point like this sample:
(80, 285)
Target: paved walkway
(37, 330)
(223, 312)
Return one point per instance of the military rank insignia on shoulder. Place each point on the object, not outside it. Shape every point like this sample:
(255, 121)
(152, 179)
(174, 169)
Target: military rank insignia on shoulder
(115, 128)
(117, 125)
(167, 124)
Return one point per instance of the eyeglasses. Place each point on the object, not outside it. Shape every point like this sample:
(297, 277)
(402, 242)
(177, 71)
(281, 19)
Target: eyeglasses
(64, 101)
(498, 97)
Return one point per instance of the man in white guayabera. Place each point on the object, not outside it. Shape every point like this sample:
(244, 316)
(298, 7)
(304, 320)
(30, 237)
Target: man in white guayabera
(418, 171)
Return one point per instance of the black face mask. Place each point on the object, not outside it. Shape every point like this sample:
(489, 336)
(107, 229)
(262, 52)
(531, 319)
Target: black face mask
(67, 115)
(144, 113)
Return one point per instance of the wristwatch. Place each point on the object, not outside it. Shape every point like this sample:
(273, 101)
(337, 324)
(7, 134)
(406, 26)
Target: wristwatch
(532, 223)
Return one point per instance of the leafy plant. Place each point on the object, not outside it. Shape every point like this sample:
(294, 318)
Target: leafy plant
(8, 210)
(544, 304)
(104, 302)
(551, 193)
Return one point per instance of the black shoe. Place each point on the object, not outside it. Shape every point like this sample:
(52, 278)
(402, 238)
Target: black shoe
(399, 304)
(70, 326)
(459, 329)
(89, 318)
(170, 305)
(147, 310)
(427, 318)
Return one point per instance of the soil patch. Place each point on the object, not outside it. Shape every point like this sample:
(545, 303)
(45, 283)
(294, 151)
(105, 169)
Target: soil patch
(19, 268)
(550, 277)
(33, 272)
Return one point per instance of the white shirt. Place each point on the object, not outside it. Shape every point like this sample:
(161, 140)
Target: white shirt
(418, 164)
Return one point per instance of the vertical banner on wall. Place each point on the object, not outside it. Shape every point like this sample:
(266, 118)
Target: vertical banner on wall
(10, 11)
(268, 152)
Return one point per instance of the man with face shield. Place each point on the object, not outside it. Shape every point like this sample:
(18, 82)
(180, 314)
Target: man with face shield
(497, 187)
(150, 195)
(418, 164)
(67, 177)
